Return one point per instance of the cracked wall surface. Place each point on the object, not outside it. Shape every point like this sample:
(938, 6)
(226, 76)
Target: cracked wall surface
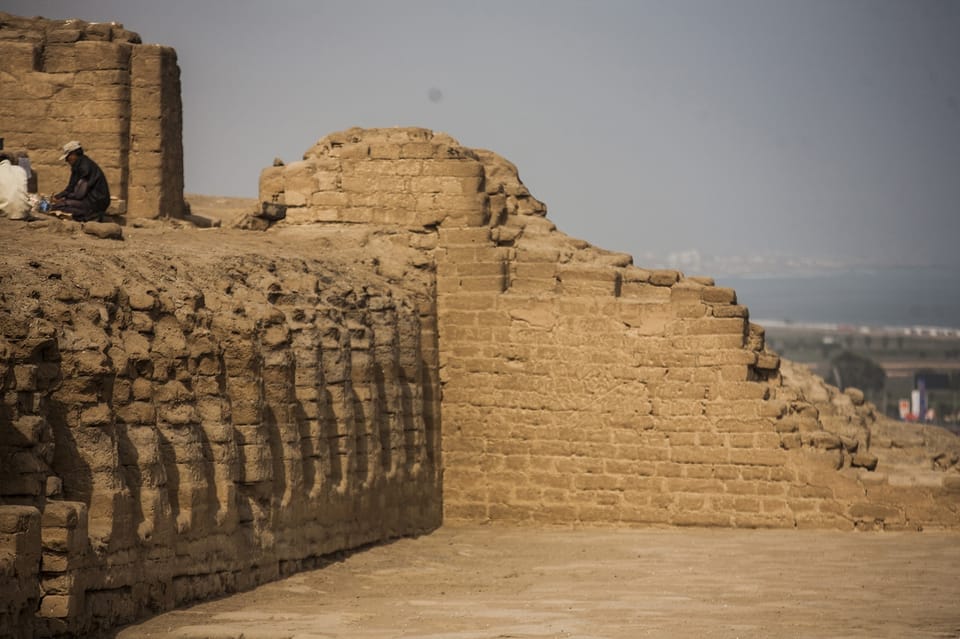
(172, 432)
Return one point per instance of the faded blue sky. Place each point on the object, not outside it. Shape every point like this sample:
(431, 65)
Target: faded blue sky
(822, 128)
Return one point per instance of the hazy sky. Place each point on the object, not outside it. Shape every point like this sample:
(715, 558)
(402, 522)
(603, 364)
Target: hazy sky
(826, 128)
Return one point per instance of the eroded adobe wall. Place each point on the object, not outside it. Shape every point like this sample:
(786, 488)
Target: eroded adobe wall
(177, 426)
(95, 83)
(579, 388)
(170, 432)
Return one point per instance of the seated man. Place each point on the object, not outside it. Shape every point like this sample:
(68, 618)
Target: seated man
(87, 195)
(13, 189)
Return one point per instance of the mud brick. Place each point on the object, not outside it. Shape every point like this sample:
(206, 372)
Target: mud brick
(20, 520)
(58, 606)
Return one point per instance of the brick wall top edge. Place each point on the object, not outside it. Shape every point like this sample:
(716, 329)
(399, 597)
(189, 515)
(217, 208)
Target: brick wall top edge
(379, 135)
(43, 30)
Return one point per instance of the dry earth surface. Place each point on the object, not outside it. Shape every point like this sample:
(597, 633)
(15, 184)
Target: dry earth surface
(56, 243)
(493, 582)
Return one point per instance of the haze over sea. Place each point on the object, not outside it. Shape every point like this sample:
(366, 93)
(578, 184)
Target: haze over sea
(884, 296)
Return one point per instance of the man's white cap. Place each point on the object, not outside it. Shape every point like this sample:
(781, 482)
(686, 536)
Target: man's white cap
(69, 148)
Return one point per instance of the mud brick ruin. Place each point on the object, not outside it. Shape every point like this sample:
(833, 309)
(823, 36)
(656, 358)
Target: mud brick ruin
(94, 82)
(427, 347)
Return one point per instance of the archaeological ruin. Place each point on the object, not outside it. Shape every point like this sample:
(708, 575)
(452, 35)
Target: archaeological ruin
(187, 413)
(96, 83)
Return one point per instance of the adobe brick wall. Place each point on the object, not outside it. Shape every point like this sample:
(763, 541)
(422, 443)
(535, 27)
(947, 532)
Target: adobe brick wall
(581, 389)
(174, 438)
(168, 439)
(94, 82)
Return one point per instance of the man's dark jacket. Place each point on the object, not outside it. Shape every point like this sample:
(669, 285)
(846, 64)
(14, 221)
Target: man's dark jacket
(88, 183)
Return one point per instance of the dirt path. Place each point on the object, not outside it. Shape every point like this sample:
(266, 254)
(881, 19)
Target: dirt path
(489, 582)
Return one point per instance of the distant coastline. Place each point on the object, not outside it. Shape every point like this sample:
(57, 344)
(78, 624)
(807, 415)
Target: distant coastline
(860, 329)
(925, 300)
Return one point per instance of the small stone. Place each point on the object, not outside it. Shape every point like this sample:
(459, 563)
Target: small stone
(864, 460)
(104, 230)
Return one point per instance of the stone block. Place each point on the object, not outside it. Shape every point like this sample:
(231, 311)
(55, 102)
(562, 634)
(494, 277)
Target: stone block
(452, 168)
(690, 309)
(54, 488)
(271, 183)
(150, 63)
(768, 361)
(757, 457)
(645, 292)
(856, 396)
(864, 459)
(64, 514)
(421, 151)
(733, 373)
(71, 541)
(740, 440)
(876, 512)
(20, 519)
(27, 431)
(699, 454)
(446, 184)
(25, 377)
(678, 408)
(256, 464)
(58, 583)
(98, 415)
(744, 425)
(373, 168)
(536, 270)
(384, 151)
(686, 291)
(367, 184)
(742, 390)
(88, 362)
(755, 337)
(115, 108)
(822, 439)
(141, 389)
(710, 326)
(450, 203)
(726, 356)
(718, 295)
(334, 199)
(19, 57)
(178, 415)
(59, 606)
(731, 310)
(664, 277)
(86, 56)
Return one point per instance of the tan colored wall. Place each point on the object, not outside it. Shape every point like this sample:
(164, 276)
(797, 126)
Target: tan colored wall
(96, 83)
(409, 178)
(579, 388)
(172, 439)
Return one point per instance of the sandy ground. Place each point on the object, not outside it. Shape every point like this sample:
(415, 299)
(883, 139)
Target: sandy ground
(492, 582)
(169, 245)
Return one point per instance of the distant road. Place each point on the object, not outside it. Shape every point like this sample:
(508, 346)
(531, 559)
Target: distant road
(906, 368)
(891, 331)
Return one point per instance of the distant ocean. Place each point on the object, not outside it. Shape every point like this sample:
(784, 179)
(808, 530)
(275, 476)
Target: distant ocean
(928, 296)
